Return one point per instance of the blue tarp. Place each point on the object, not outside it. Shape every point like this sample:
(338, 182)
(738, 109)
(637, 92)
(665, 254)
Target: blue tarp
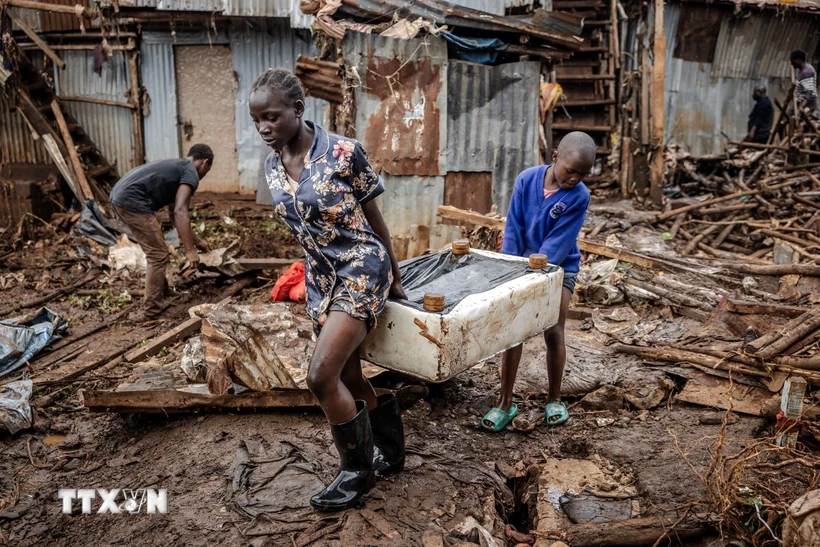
(476, 50)
(21, 338)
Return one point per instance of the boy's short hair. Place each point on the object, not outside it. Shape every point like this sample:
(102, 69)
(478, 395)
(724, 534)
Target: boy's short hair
(798, 55)
(201, 152)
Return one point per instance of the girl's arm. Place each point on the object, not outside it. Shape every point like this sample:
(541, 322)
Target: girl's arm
(374, 217)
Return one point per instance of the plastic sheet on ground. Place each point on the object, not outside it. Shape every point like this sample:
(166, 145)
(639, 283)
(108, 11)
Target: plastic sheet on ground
(126, 256)
(272, 480)
(596, 283)
(23, 337)
(15, 410)
(99, 227)
(457, 277)
(223, 260)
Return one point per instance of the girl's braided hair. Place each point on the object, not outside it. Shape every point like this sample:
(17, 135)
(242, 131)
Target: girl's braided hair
(280, 82)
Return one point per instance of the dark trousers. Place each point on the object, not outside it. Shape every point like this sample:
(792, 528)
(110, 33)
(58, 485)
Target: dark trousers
(147, 231)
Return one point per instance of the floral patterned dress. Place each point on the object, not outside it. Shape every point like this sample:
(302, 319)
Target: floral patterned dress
(347, 267)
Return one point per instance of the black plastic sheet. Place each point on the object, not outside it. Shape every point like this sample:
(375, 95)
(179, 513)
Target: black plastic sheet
(456, 277)
(99, 227)
(21, 338)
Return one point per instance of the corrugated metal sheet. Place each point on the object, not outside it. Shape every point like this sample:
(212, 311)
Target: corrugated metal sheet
(159, 79)
(496, 7)
(236, 8)
(492, 121)
(62, 22)
(410, 200)
(759, 45)
(16, 143)
(30, 17)
(110, 127)
(699, 104)
(401, 105)
(254, 51)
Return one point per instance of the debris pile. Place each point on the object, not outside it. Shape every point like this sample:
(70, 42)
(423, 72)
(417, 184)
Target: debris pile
(752, 204)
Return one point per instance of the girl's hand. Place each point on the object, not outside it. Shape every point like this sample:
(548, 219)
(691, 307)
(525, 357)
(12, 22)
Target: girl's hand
(396, 290)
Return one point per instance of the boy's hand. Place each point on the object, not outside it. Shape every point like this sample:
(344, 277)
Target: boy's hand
(396, 290)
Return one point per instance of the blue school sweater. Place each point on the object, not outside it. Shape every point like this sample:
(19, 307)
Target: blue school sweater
(547, 226)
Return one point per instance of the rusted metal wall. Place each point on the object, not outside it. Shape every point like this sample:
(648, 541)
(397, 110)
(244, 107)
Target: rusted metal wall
(492, 122)
(62, 22)
(110, 127)
(16, 143)
(703, 100)
(401, 105)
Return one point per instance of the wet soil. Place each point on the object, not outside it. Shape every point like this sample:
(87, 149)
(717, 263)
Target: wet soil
(193, 456)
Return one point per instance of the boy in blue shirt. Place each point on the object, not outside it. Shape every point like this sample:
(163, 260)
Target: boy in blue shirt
(548, 207)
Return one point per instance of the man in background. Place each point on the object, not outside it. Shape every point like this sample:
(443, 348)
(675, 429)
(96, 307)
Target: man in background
(141, 194)
(761, 117)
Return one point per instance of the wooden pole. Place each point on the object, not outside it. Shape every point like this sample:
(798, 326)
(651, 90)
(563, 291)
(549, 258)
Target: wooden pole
(658, 68)
(77, 9)
(136, 115)
(37, 40)
(94, 100)
(79, 172)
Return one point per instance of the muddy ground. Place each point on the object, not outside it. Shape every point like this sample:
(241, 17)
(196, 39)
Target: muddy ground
(452, 466)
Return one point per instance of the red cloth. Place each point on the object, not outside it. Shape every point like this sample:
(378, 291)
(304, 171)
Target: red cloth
(291, 286)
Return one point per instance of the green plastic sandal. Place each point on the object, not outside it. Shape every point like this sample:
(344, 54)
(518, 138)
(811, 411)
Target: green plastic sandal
(496, 419)
(556, 413)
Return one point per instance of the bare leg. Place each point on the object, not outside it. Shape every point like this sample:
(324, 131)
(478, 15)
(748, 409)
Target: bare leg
(340, 337)
(356, 383)
(556, 350)
(509, 369)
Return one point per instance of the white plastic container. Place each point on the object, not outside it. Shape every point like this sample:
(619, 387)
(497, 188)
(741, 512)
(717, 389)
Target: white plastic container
(437, 346)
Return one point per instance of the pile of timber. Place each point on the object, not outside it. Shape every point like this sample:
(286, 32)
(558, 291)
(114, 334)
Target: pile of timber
(747, 203)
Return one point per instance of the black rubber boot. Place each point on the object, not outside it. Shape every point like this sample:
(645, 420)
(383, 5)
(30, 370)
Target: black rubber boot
(388, 436)
(354, 441)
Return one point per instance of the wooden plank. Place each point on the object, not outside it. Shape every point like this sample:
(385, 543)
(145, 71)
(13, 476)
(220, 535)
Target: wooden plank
(657, 96)
(136, 115)
(183, 330)
(265, 263)
(706, 390)
(79, 170)
(37, 40)
(174, 402)
(470, 217)
(637, 531)
(782, 310)
(76, 9)
(616, 252)
(94, 100)
(53, 150)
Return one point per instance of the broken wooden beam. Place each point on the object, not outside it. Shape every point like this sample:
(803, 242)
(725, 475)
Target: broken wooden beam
(94, 100)
(77, 9)
(175, 401)
(636, 532)
(79, 170)
(50, 53)
(616, 252)
(748, 308)
(785, 337)
(811, 270)
(265, 263)
(183, 330)
(90, 276)
(470, 217)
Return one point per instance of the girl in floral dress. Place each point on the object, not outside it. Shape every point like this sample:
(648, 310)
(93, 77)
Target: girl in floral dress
(323, 189)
